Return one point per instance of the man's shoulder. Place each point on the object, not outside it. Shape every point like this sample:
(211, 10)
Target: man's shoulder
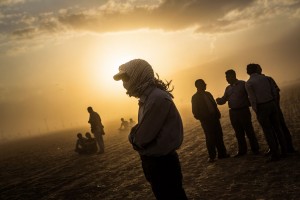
(208, 93)
(241, 82)
(195, 94)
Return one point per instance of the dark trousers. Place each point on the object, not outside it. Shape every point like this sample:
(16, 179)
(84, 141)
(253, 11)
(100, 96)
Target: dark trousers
(268, 117)
(242, 124)
(99, 138)
(164, 175)
(286, 132)
(214, 138)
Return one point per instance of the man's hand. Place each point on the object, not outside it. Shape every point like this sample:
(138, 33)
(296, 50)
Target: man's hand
(219, 101)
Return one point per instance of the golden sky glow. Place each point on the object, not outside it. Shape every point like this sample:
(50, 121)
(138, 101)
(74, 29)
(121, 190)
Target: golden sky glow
(58, 57)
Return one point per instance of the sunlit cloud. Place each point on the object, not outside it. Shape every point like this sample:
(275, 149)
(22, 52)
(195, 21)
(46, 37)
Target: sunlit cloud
(10, 2)
(211, 17)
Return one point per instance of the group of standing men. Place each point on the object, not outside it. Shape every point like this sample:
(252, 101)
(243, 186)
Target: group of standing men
(262, 94)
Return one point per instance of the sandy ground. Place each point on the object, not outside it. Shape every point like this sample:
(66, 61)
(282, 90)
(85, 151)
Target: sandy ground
(48, 168)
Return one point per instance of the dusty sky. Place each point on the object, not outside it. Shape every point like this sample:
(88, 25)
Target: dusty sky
(57, 56)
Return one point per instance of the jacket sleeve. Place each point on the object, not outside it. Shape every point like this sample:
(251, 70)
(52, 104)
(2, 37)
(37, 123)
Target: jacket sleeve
(222, 100)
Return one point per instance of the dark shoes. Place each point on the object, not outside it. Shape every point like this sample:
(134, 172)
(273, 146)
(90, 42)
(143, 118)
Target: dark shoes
(239, 155)
(268, 152)
(273, 159)
(210, 160)
(223, 156)
(100, 152)
(292, 150)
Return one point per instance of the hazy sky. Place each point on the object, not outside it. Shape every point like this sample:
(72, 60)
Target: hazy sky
(57, 57)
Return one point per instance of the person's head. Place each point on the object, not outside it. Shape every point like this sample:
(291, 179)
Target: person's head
(137, 75)
(88, 135)
(79, 136)
(230, 76)
(90, 109)
(200, 85)
(258, 69)
(130, 119)
(251, 68)
(122, 119)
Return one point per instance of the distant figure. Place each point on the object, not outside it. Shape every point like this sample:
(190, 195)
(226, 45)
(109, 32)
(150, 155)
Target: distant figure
(124, 124)
(205, 109)
(80, 146)
(96, 128)
(239, 112)
(91, 144)
(287, 134)
(131, 123)
(262, 96)
(159, 132)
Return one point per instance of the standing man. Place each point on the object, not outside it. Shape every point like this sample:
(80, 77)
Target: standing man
(159, 131)
(205, 109)
(96, 128)
(285, 129)
(239, 112)
(262, 96)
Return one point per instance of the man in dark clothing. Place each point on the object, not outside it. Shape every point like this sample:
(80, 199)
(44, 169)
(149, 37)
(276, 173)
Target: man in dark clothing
(239, 112)
(262, 96)
(205, 109)
(96, 128)
(286, 132)
(159, 131)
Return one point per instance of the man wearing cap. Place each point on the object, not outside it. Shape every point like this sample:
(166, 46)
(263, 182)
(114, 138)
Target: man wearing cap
(205, 109)
(159, 131)
(239, 112)
(262, 96)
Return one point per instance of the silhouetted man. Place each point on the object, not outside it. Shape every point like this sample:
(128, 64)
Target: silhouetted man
(286, 132)
(239, 112)
(96, 128)
(159, 132)
(262, 96)
(205, 109)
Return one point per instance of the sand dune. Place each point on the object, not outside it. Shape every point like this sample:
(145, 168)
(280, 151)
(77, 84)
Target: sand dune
(47, 167)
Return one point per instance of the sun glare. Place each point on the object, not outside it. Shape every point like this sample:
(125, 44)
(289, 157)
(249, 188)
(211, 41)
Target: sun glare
(106, 67)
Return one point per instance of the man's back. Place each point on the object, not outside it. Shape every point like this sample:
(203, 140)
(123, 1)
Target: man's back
(204, 106)
(259, 89)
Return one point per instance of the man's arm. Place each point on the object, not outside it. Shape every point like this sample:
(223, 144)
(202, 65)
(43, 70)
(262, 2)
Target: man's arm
(251, 96)
(195, 108)
(222, 100)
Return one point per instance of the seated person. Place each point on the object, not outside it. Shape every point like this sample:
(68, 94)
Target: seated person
(124, 124)
(131, 122)
(81, 144)
(91, 144)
